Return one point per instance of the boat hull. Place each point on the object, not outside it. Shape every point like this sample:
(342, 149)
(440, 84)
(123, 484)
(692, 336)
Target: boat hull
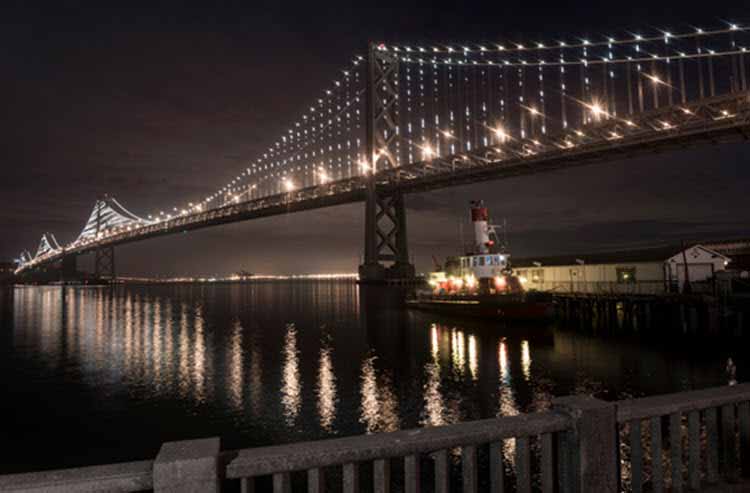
(518, 308)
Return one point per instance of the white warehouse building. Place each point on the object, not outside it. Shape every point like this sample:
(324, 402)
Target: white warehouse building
(649, 271)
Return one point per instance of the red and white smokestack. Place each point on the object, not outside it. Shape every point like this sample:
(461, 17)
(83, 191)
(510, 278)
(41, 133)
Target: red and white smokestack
(480, 216)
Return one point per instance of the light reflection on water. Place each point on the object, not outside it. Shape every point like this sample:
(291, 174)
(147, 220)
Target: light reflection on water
(281, 362)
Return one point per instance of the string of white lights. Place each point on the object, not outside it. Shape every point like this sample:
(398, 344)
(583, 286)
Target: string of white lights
(511, 47)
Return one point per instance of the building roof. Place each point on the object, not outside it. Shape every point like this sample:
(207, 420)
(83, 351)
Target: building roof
(657, 254)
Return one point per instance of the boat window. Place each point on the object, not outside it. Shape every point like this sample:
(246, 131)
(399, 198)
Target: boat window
(537, 275)
(481, 261)
(489, 260)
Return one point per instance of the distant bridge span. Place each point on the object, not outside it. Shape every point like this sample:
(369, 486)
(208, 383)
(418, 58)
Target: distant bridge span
(446, 116)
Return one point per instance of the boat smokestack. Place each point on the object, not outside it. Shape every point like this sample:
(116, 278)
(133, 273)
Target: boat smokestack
(480, 216)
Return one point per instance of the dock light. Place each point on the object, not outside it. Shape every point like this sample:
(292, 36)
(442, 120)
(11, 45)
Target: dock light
(523, 280)
(471, 281)
(500, 283)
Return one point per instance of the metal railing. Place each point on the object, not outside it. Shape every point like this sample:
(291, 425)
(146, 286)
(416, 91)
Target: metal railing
(581, 444)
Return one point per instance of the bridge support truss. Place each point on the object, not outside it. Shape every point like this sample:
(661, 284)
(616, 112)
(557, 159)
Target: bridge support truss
(104, 263)
(386, 245)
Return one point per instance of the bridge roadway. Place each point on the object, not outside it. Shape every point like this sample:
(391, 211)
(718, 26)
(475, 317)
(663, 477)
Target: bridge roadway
(709, 121)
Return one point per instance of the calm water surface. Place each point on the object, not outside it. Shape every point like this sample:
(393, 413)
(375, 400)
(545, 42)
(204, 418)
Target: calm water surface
(91, 375)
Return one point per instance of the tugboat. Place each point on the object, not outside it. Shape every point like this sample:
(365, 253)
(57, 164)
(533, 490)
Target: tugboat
(481, 283)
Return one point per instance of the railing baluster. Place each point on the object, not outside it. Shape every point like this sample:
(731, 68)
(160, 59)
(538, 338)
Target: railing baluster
(743, 411)
(712, 452)
(282, 482)
(469, 469)
(247, 485)
(523, 465)
(548, 464)
(729, 443)
(442, 472)
(567, 478)
(675, 449)
(315, 481)
(694, 448)
(382, 476)
(497, 470)
(657, 467)
(636, 456)
(351, 478)
(411, 474)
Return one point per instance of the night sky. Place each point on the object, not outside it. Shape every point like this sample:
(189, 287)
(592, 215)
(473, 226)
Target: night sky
(164, 104)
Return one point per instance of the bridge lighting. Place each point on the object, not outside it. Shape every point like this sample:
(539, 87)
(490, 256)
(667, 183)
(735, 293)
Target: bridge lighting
(687, 111)
(427, 152)
(533, 111)
(734, 27)
(501, 134)
(447, 134)
(324, 178)
(288, 185)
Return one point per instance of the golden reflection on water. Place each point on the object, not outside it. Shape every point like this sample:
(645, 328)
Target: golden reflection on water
(379, 404)
(256, 378)
(168, 345)
(473, 363)
(199, 364)
(184, 352)
(526, 360)
(327, 394)
(507, 405)
(234, 366)
(458, 353)
(291, 388)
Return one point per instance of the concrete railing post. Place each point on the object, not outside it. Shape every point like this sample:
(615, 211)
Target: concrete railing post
(189, 466)
(591, 454)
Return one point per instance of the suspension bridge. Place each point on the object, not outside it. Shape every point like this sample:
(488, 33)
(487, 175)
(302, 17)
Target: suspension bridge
(412, 118)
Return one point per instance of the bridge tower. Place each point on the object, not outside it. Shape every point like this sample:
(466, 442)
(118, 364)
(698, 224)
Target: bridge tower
(386, 246)
(104, 257)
